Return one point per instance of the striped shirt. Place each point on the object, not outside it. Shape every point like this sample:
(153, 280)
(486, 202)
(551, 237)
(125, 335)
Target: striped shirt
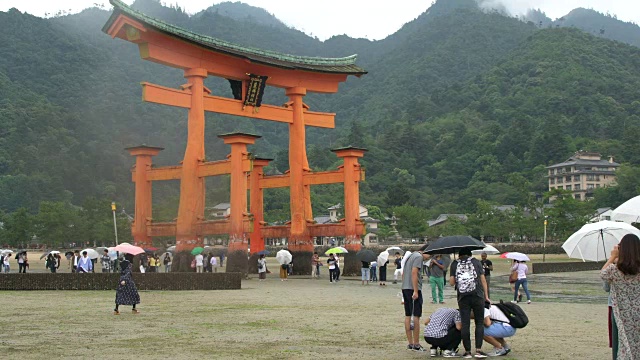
(440, 322)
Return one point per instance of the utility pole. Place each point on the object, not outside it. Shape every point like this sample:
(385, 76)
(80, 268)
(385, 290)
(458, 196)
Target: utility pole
(544, 241)
(115, 226)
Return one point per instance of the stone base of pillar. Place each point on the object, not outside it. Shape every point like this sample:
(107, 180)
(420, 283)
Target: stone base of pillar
(237, 261)
(252, 267)
(302, 262)
(181, 262)
(351, 265)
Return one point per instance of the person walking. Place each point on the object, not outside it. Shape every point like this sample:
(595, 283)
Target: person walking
(365, 271)
(85, 265)
(6, 263)
(22, 262)
(199, 263)
(398, 271)
(487, 266)
(152, 264)
(127, 293)
(374, 271)
(262, 268)
(436, 280)
(76, 258)
(412, 296)
(50, 263)
(105, 261)
(468, 277)
(315, 268)
(331, 264)
(284, 272)
(522, 270)
(383, 274)
(337, 272)
(622, 272)
(167, 262)
(213, 264)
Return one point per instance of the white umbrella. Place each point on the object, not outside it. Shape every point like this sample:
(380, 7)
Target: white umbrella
(516, 256)
(490, 250)
(7, 252)
(628, 212)
(91, 254)
(404, 258)
(394, 249)
(383, 258)
(283, 257)
(171, 248)
(595, 241)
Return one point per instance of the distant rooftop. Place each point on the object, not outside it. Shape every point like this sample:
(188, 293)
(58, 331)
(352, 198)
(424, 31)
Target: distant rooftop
(586, 158)
(345, 65)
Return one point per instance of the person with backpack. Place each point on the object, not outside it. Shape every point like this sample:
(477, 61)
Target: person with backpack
(467, 276)
(497, 328)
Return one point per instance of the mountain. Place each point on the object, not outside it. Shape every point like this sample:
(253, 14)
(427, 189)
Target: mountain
(607, 26)
(459, 104)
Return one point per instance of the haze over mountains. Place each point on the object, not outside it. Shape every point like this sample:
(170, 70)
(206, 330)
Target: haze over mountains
(460, 104)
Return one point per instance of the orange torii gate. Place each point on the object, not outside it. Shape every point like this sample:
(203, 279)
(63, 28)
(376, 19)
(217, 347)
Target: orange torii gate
(200, 56)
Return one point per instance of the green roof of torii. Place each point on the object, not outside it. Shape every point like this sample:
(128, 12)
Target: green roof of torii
(345, 65)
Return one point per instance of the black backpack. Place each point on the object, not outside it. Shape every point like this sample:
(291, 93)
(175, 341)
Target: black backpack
(517, 318)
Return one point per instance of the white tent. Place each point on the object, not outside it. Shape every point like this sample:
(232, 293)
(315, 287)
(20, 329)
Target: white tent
(628, 212)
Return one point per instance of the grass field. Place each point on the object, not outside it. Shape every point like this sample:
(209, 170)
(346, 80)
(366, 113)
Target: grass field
(298, 319)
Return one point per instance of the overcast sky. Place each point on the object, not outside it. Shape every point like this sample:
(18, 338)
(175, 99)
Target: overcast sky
(357, 18)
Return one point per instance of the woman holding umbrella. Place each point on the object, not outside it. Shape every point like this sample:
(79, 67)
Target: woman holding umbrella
(522, 270)
(127, 293)
(622, 272)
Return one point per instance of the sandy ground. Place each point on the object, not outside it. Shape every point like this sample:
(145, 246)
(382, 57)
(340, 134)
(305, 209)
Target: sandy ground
(298, 319)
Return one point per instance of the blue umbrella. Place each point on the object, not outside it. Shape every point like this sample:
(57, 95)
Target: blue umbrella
(263, 252)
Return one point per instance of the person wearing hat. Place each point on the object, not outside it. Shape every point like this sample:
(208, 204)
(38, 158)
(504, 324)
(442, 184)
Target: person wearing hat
(127, 293)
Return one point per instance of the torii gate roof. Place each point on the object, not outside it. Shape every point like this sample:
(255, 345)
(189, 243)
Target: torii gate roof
(345, 65)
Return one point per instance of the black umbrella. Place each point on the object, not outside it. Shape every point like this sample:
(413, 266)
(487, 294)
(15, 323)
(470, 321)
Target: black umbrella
(366, 255)
(452, 244)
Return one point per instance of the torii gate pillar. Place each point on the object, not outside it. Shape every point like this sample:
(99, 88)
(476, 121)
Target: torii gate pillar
(352, 241)
(238, 242)
(143, 206)
(191, 208)
(256, 240)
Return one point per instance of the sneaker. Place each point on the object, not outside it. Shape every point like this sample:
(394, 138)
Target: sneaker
(497, 352)
(410, 347)
(441, 302)
(467, 355)
(514, 302)
(419, 348)
(451, 354)
(480, 354)
(507, 349)
(434, 352)
(528, 301)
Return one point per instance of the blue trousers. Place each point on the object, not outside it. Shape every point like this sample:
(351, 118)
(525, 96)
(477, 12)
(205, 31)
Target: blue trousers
(522, 282)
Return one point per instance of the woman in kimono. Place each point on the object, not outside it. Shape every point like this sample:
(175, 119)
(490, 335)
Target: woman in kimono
(127, 293)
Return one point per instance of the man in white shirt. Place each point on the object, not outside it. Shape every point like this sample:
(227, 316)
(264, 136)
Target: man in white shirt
(85, 264)
(497, 327)
(199, 263)
(214, 264)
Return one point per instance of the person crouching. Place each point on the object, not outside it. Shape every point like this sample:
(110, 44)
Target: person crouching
(442, 331)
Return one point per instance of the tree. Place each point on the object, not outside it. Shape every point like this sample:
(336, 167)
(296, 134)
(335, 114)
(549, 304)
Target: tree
(412, 221)
(18, 228)
(57, 223)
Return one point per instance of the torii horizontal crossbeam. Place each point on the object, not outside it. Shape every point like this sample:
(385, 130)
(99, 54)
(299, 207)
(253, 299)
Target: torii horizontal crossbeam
(182, 98)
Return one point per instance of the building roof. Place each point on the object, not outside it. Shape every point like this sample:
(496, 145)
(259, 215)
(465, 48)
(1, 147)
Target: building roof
(322, 219)
(577, 159)
(221, 206)
(444, 217)
(345, 65)
(369, 219)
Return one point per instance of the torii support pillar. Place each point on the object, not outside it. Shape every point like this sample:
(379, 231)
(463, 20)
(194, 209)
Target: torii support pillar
(352, 241)
(256, 240)
(238, 242)
(143, 206)
(300, 243)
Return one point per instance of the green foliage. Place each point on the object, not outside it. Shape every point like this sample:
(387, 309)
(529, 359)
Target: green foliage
(412, 221)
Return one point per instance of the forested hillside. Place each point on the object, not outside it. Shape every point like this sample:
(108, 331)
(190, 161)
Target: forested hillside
(459, 105)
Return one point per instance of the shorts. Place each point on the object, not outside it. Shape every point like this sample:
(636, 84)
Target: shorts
(499, 330)
(409, 303)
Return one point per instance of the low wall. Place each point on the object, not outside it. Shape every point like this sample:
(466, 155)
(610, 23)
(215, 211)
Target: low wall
(551, 267)
(109, 281)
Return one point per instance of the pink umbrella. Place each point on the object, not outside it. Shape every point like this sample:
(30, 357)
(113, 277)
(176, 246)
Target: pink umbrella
(129, 249)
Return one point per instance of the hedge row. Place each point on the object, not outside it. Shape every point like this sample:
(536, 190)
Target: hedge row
(545, 268)
(109, 281)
